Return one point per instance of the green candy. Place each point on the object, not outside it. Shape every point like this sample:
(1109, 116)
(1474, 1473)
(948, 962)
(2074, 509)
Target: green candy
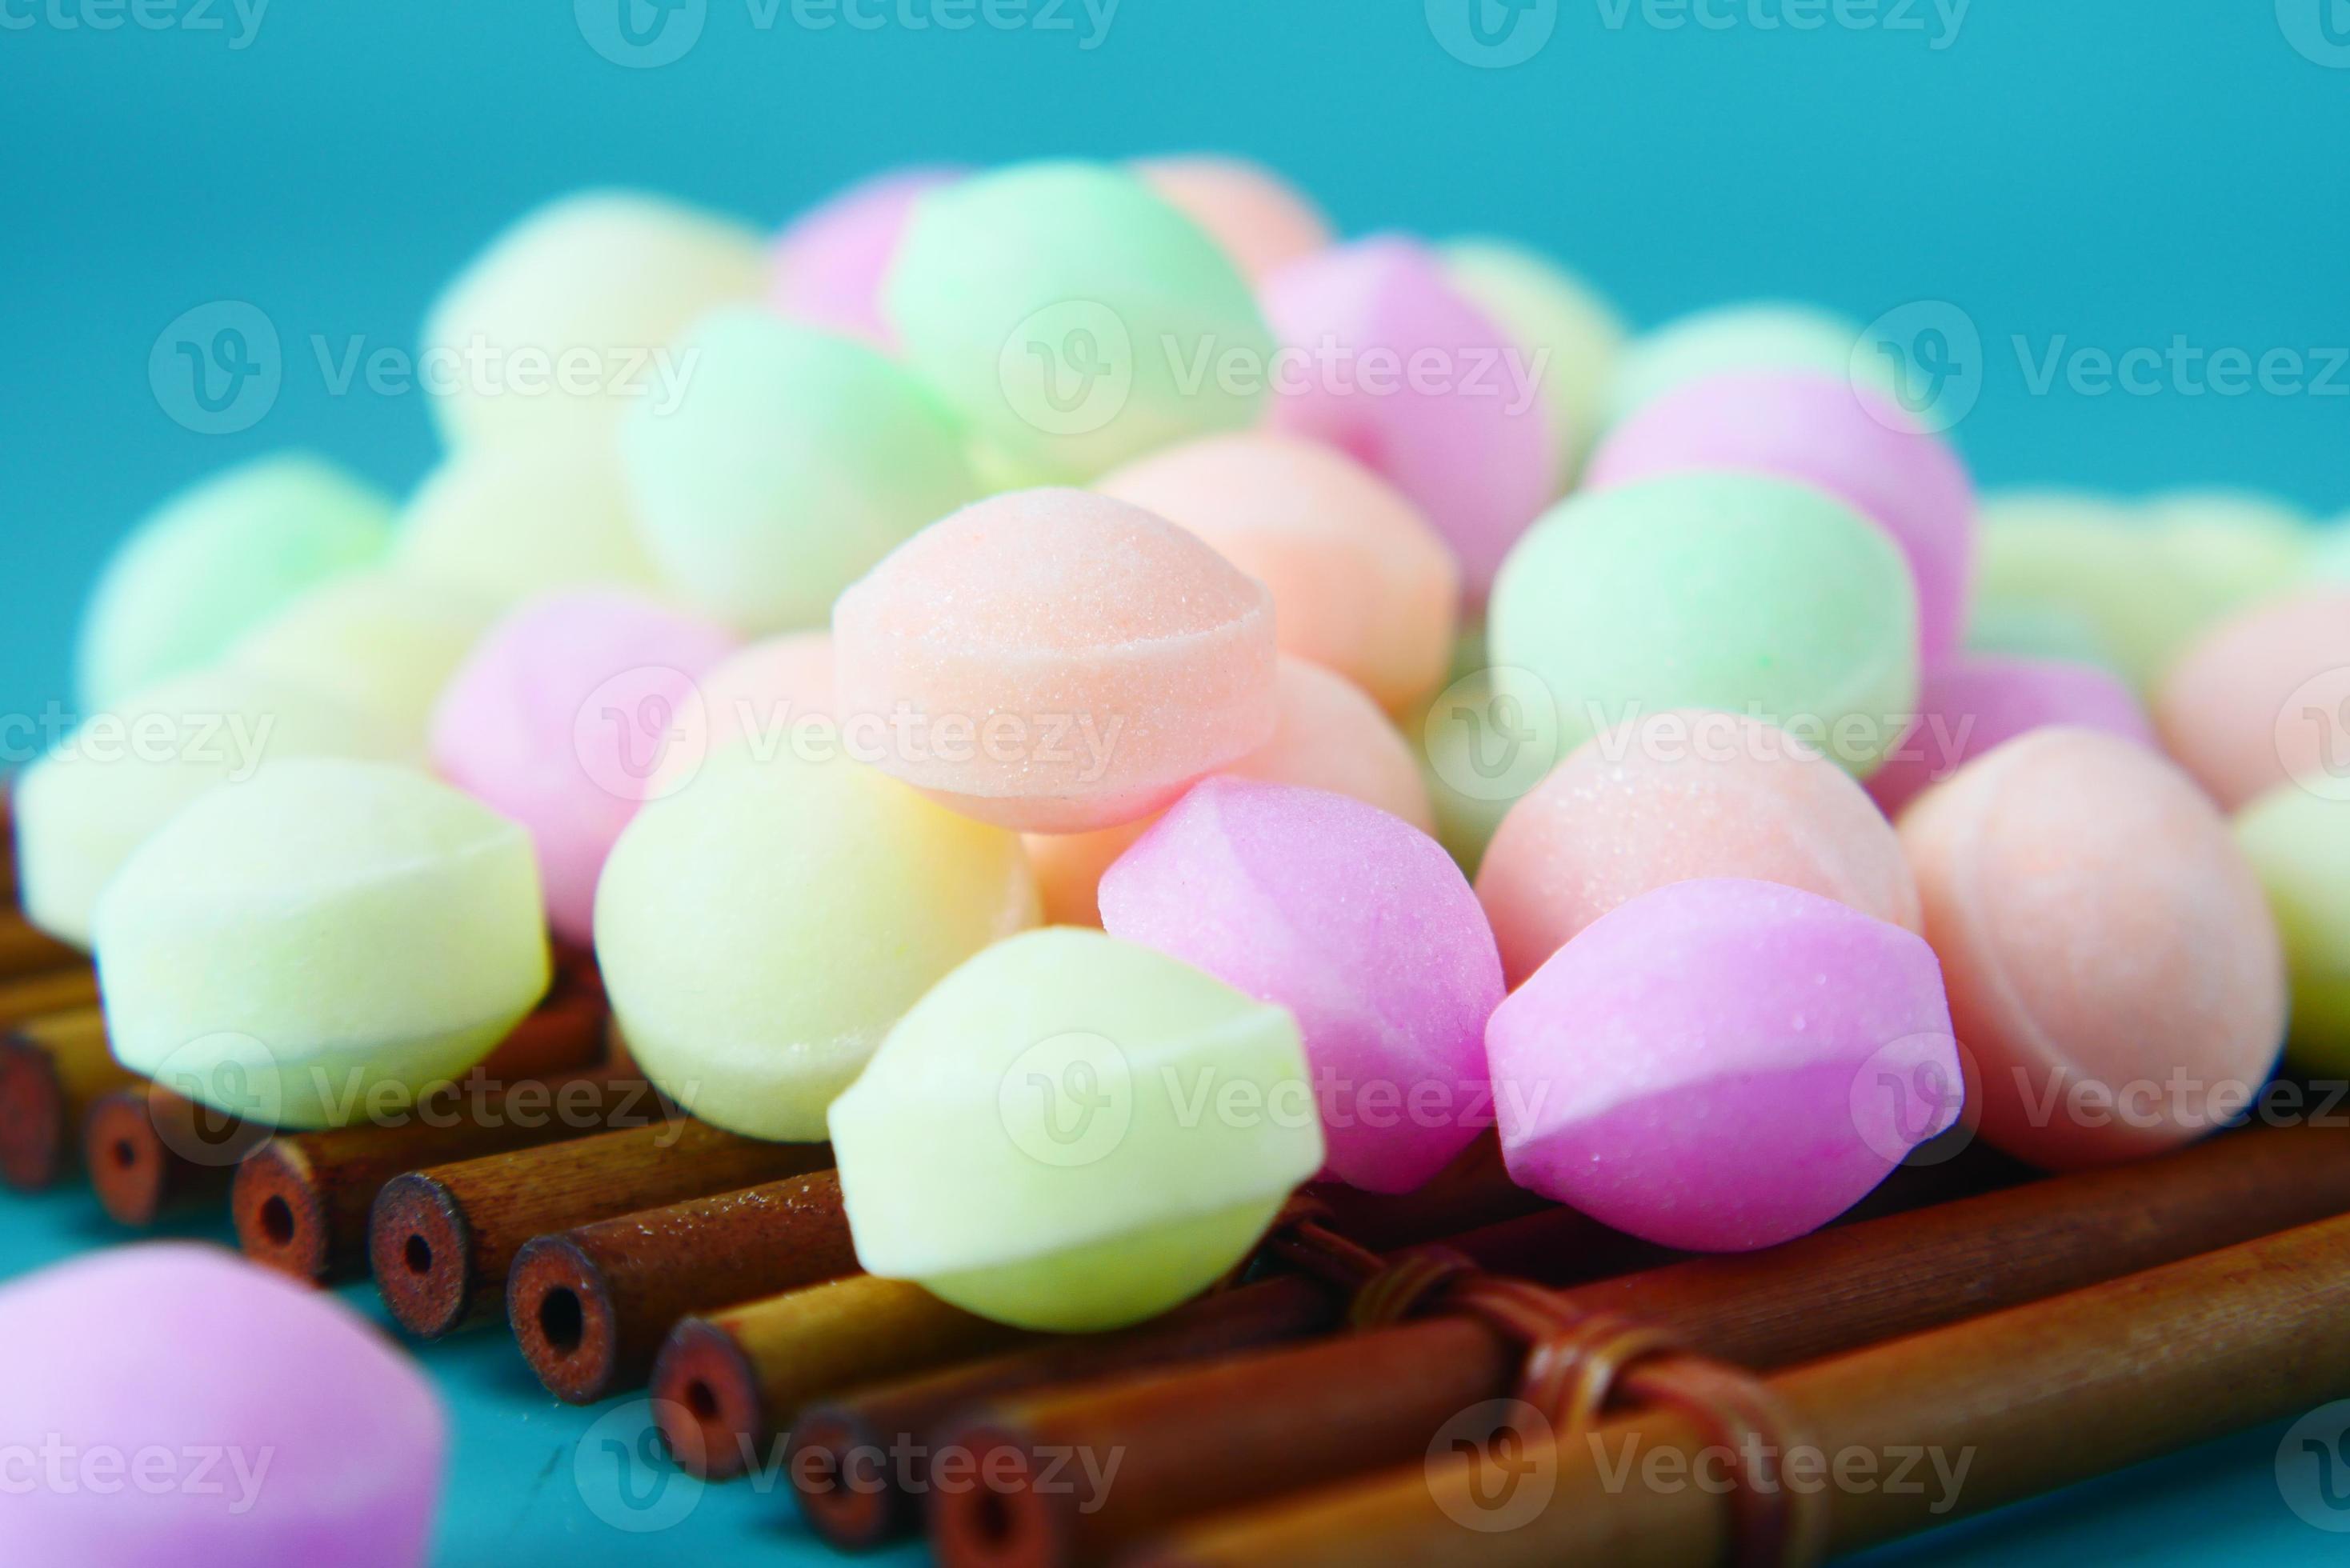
(1482, 742)
(216, 559)
(2299, 843)
(1073, 1133)
(318, 945)
(1075, 320)
(2329, 552)
(1724, 591)
(1735, 337)
(1548, 312)
(792, 461)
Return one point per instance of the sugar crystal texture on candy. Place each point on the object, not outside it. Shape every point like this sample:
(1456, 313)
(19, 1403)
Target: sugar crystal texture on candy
(1074, 317)
(1360, 583)
(216, 559)
(1822, 431)
(791, 463)
(828, 268)
(1971, 702)
(1027, 1146)
(1361, 926)
(503, 523)
(320, 942)
(1764, 335)
(558, 720)
(250, 1419)
(2111, 963)
(383, 641)
(1067, 661)
(1677, 796)
(1394, 366)
(2299, 844)
(761, 928)
(567, 318)
(1262, 221)
(2263, 698)
(1565, 333)
(1723, 1064)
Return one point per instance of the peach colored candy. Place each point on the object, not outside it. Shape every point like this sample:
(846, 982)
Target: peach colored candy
(1057, 661)
(1675, 797)
(2263, 698)
(1331, 737)
(766, 696)
(2111, 960)
(1262, 221)
(1360, 582)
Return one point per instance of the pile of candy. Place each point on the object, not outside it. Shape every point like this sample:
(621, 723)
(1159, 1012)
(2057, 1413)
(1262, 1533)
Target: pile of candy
(1083, 546)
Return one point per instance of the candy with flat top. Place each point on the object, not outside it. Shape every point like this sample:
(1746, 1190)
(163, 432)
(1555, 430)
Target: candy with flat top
(122, 773)
(1262, 221)
(216, 559)
(760, 930)
(320, 943)
(1399, 369)
(1021, 1144)
(567, 318)
(505, 523)
(1822, 431)
(558, 719)
(383, 641)
(1973, 702)
(2263, 698)
(2299, 845)
(1751, 595)
(1723, 1065)
(1061, 308)
(1065, 662)
(828, 268)
(792, 461)
(1361, 926)
(1556, 320)
(1675, 797)
(1360, 582)
(1768, 335)
(2110, 962)
(298, 1434)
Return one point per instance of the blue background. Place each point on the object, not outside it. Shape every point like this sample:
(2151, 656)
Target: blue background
(2096, 173)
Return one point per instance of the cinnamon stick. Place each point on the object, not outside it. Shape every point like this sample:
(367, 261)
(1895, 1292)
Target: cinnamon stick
(441, 1239)
(51, 1068)
(26, 950)
(2028, 1400)
(1251, 1427)
(149, 1151)
(590, 1305)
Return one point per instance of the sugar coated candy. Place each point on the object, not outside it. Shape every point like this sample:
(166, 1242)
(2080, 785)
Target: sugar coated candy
(1971, 704)
(1559, 323)
(828, 267)
(383, 641)
(1262, 221)
(2263, 698)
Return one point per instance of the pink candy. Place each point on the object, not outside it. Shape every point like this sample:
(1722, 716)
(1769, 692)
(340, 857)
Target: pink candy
(2263, 698)
(1356, 922)
(1387, 362)
(563, 718)
(1827, 432)
(1973, 704)
(1723, 1065)
(828, 266)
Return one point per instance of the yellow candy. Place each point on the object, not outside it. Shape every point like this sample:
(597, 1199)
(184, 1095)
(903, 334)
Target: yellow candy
(380, 641)
(503, 523)
(2299, 843)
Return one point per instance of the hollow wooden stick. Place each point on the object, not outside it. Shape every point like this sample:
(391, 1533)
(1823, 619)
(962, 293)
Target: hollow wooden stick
(1223, 1435)
(25, 950)
(2027, 1399)
(51, 1068)
(441, 1239)
(149, 1151)
(590, 1305)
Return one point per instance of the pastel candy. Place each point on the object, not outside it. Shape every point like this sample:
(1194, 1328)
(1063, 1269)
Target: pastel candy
(1360, 582)
(1746, 594)
(828, 267)
(1675, 797)
(1329, 737)
(1972, 703)
(1557, 321)
(1723, 1064)
(760, 931)
(1067, 661)
(321, 942)
(771, 695)
(121, 774)
(558, 720)
(1358, 923)
(1482, 742)
(505, 523)
(251, 1452)
(2236, 545)
(1820, 431)
(1768, 335)
(792, 463)
(1019, 1145)
(2112, 965)
(1400, 370)
(216, 559)
(1262, 221)
(380, 641)
(569, 314)
(2263, 698)
(2329, 552)
(1060, 307)
(2299, 845)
